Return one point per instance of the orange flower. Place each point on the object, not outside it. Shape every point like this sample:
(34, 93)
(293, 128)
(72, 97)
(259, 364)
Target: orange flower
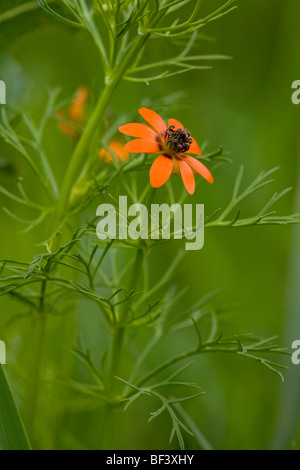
(172, 143)
(77, 107)
(76, 114)
(117, 150)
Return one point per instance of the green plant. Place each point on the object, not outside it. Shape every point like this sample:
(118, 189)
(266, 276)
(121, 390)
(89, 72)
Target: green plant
(113, 274)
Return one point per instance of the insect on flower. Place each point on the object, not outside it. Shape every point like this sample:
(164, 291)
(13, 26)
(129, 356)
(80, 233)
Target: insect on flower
(173, 143)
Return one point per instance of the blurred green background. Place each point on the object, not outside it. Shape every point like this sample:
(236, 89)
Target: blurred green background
(243, 104)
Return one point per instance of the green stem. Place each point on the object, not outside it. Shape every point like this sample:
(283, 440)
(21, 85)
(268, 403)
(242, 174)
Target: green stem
(31, 402)
(117, 346)
(78, 159)
(167, 364)
(118, 338)
(136, 271)
(111, 412)
(31, 399)
(20, 10)
(108, 433)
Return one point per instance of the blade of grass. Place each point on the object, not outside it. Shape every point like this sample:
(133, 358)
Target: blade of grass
(12, 431)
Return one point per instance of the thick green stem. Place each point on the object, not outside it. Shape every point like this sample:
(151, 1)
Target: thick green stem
(136, 271)
(31, 399)
(119, 331)
(117, 345)
(111, 412)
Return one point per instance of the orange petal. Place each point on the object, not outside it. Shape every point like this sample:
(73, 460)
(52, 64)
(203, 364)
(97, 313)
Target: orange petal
(68, 131)
(199, 167)
(105, 155)
(142, 146)
(119, 151)
(66, 128)
(187, 176)
(116, 150)
(195, 149)
(160, 171)
(77, 108)
(138, 130)
(154, 120)
(177, 124)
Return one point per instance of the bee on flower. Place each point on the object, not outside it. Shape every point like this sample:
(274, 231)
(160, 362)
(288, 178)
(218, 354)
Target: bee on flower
(173, 143)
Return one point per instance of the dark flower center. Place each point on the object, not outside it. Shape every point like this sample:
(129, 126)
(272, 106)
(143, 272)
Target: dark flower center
(178, 140)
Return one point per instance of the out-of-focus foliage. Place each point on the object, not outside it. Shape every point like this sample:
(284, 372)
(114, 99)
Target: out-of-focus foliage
(243, 104)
